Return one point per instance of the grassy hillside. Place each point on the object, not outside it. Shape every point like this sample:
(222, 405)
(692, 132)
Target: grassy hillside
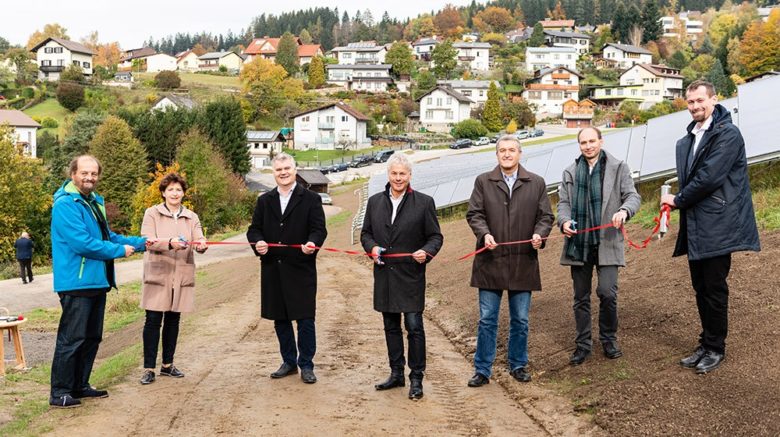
(50, 108)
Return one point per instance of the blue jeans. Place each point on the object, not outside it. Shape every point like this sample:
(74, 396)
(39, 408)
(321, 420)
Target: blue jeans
(517, 350)
(303, 354)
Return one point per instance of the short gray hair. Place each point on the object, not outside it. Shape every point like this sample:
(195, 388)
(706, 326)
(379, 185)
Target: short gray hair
(510, 138)
(399, 159)
(283, 157)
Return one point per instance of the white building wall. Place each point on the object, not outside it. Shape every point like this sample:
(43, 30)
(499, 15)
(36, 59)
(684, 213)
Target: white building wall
(160, 62)
(539, 60)
(65, 59)
(626, 60)
(27, 135)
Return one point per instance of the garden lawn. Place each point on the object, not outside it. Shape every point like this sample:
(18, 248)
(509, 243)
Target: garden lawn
(50, 108)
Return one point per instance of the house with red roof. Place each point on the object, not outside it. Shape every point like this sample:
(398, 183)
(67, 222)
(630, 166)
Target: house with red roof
(267, 48)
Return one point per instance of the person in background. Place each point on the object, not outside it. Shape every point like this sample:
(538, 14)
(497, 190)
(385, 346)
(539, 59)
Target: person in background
(24, 254)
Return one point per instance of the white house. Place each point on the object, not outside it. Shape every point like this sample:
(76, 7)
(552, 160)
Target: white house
(174, 102)
(550, 88)
(54, 55)
(363, 52)
(214, 60)
(476, 90)
(137, 56)
(187, 61)
(330, 127)
(267, 48)
(360, 77)
(423, 47)
(160, 62)
(263, 145)
(659, 82)
(557, 38)
(538, 58)
(442, 107)
(24, 128)
(474, 55)
(626, 55)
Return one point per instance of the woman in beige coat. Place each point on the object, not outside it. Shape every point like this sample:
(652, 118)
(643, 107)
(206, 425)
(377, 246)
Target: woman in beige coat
(172, 233)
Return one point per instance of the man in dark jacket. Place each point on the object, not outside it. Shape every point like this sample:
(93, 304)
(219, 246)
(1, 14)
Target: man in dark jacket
(716, 215)
(291, 215)
(507, 204)
(400, 220)
(24, 253)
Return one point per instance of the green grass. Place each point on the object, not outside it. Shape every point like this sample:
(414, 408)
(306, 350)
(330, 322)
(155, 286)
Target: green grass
(534, 142)
(51, 108)
(193, 79)
(328, 155)
(339, 218)
(113, 369)
(24, 413)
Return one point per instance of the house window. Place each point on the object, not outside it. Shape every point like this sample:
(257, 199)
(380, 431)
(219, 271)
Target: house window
(620, 91)
(330, 119)
(60, 62)
(265, 146)
(449, 100)
(344, 118)
(429, 114)
(607, 92)
(45, 62)
(377, 74)
(85, 64)
(346, 55)
(305, 118)
(556, 56)
(482, 93)
(534, 95)
(438, 101)
(633, 92)
(568, 57)
(429, 100)
(466, 93)
(555, 95)
(76, 63)
(448, 114)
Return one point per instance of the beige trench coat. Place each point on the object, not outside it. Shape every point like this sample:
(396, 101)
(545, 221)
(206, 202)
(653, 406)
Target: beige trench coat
(169, 275)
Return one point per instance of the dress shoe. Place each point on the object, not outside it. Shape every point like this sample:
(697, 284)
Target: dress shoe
(521, 374)
(284, 370)
(709, 362)
(579, 356)
(66, 401)
(392, 382)
(691, 361)
(307, 375)
(171, 371)
(148, 377)
(478, 380)
(415, 389)
(612, 351)
(90, 392)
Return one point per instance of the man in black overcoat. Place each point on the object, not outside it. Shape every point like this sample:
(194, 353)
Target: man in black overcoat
(292, 215)
(401, 220)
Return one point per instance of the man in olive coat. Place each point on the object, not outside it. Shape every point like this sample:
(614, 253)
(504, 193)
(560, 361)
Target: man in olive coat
(507, 204)
(289, 214)
(716, 215)
(401, 220)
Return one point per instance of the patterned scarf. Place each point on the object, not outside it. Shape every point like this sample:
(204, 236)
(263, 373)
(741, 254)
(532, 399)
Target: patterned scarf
(586, 207)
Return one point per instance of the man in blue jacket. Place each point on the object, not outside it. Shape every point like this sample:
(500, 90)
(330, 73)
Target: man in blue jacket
(24, 254)
(83, 253)
(716, 215)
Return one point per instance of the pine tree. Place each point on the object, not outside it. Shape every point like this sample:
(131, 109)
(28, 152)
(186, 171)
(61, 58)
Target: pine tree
(718, 78)
(537, 37)
(491, 115)
(316, 72)
(287, 53)
(76, 142)
(305, 36)
(621, 23)
(223, 121)
(650, 17)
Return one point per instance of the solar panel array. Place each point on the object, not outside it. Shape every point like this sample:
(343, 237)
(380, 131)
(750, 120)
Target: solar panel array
(647, 149)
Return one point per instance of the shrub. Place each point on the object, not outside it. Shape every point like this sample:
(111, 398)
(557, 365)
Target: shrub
(167, 80)
(70, 95)
(469, 128)
(48, 123)
(28, 93)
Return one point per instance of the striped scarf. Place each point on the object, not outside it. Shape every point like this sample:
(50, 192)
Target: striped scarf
(586, 208)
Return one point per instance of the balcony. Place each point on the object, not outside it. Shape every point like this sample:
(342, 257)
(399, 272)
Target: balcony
(326, 126)
(325, 140)
(466, 58)
(51, 68)
(368, 61)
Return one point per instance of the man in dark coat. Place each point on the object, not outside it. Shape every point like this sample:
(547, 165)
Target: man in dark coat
(289, 214)
(24, 253)
(507, 204)
(400, 220)
(716, 215)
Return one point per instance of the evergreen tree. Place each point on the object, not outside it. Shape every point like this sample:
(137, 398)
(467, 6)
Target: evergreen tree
(491, 115)
(159, 131)
(223, 121)
(650, 22)
(426, 81)
(316, 72)
(621, 23)
(401, 58)
(76, 142)
(716, 76)
(444, 59)
(537, 37)
(305, 37)
(287, 53)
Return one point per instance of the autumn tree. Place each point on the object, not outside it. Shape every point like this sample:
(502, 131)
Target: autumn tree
(761, 45)
(449, 21)
(316, 72)
(107, 55)
(199, 50)
(443, 57)
(420, 27)
(491, 115)
(267, 86)
(494, 19)
(53, 30)
(519, 110)
(558, 13)
(148, 194)
(400, 56)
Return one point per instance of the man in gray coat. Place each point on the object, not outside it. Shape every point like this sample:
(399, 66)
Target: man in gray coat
(596, 189)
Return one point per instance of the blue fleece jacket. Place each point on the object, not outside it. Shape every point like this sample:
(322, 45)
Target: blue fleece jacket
(78, 249)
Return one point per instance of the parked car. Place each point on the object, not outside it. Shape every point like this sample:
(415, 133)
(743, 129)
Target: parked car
(383, 156)
(521, 134)
(326, 199)
(342, 166)
(482, 141)
(535, 133)
(462, 143)
(361, 161)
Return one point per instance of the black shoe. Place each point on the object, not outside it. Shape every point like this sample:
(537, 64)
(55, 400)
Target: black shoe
(284, 370)
(579, 356)
(24, 282)
(415, 389)
(148, 377)
(612, 351)
(709, 362)
(91, 392)
(66, 401)
(392, 382)
(171, 371)
(478, 380)
(307, 375)
(692, 360)
(521, 374)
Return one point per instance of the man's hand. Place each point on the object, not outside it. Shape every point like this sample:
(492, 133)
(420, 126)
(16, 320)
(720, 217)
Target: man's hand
(129, 250)
(668, 199)
(308, 248)
(536, 241)
(375, 252)
(177, 244)
(420, 256)
(151, 241)
(619, 218)
(490, 242)
(567, 230)
(202, 246)
(261, 247)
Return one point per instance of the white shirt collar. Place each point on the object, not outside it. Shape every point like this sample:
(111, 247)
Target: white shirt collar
(704, 126)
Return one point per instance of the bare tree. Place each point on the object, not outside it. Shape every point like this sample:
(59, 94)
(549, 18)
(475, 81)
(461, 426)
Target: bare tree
(635, 36)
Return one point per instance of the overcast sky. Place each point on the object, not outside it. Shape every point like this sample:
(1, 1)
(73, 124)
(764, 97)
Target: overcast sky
(134, 22)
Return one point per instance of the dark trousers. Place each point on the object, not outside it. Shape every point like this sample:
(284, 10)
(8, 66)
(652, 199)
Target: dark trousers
(25, 270)
(303, 354)
(78, 338)
(415, 336)
(606, 290)
(708, 277)
(169, 320)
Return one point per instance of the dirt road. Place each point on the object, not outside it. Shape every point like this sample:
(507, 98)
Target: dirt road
(227, 353)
